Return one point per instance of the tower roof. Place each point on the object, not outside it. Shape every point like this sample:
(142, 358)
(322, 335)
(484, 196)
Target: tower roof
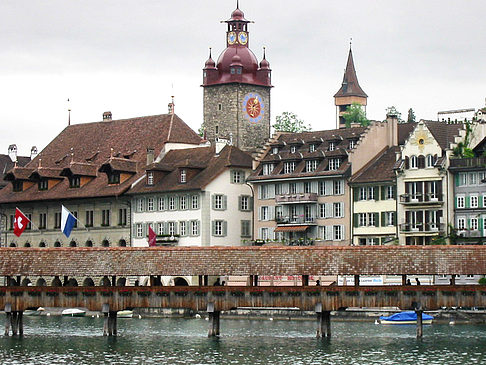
(350, 85)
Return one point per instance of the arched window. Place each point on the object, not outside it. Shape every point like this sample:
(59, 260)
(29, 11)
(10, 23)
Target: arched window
(57, 244)
(41, 282)
(105, 281)
(89, 243)
(180, 282)
(12, 244)
(88, 282)
(430, 161)
(413, 162)
(72, 243)
(56, 281)
(27, 244)
(26, 282)
(105, 243)
(121, 282)
(72, 282)
(42, 244)
(122, 243)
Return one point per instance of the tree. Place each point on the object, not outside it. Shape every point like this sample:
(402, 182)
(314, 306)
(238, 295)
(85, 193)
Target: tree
(289, 122)
(355, 114)
(411, 116)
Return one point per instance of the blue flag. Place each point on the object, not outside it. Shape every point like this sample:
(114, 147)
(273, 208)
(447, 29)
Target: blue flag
(67, 221)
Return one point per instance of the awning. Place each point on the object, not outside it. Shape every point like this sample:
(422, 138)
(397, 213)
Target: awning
(291, 229)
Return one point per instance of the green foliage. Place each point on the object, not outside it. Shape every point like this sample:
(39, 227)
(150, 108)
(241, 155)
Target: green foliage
(411, 116)
(200, 131)
(355, 114)
(289, 122)
(482, 281)
(462, 150)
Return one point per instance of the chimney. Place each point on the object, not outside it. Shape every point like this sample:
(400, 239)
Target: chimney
(171, 106)
(150, 156)
(12, 152)
(107, 116)
(392, 130)
(33, 152)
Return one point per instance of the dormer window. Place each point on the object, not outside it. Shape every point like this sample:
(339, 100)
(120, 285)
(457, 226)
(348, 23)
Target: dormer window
(74, 182)
(312, 147)
(352, 144)
(43, 184)
(293, 149)
(18, 185)
(275, 151)
(332, 146)
(311, 165)
(114, 178)
(334, 163)
(268, 168)
(183, 176)
(289, 167)
(150, 178)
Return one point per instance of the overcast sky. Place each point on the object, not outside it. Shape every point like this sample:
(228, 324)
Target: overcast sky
(131, 56)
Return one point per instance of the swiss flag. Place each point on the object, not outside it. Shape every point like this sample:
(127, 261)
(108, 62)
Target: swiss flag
(20, 222)
(152, 237)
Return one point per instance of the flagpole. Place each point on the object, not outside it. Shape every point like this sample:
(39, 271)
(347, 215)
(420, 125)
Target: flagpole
(77, 219)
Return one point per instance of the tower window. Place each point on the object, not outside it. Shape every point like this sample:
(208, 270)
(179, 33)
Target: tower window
(220, 106)
(216, 129)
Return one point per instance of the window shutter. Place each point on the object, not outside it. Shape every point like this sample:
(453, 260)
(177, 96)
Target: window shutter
(176, 202)
(329, 187)
(225, 228)
(328, 230)
(271, 191)
(144, 230)
(213, 228)
(250, 202)
(384, 189)
(407, 163)
(377, 217)
(260, 214)
(225, 202)
(468, 204)
(329, 212)
(394, 190)
(421, 162)
(213, 201)
(376, 192)
(271, 213)
(176, 231)
(383, 219)
(355, 220)
(342, 209)
(239, 203)
(458, 182)
(356, 193)
(343, 231)
(260, 192)
(166, 227)
(134, 230)
(314, 187)
(394, 215)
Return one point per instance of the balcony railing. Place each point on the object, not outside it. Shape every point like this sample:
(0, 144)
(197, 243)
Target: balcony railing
(422, 227)
(420, 198)
(295, 220)
(468, 162)
(296, 198)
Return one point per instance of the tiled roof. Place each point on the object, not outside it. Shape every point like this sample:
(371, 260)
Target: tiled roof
(404, 130)
(302, 142)
(444, 133)
(120, 165)
(350, 85)
(6, 165)
(83, 148)
(203, 159)
(46, 172)
(379, 169)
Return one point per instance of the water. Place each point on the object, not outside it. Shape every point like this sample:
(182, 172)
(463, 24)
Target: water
(61, 340)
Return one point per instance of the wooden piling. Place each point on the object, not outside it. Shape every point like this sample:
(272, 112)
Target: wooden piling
(14, 323)
(356, 280)
(20, 320)
(214, 317)
(323, 322)
(419, 323)
(7, 323)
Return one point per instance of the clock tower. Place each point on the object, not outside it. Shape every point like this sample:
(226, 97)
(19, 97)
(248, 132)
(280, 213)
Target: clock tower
(237, 90)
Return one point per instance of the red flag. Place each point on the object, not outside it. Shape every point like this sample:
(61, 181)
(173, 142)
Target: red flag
(152, 238)
(20, 222)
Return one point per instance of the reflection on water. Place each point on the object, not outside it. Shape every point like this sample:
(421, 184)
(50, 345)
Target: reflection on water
(61, 340)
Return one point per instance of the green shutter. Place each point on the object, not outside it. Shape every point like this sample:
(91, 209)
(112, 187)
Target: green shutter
(394, 218)
(356, 193)
(239, 203)
(213, 201)
(355, 219)
(376, 192)
(458, 182)
(213, 228)
(377, 217)
(468, 204)
(225, 228)
(225, 202)
(383, 192)
(383, 219)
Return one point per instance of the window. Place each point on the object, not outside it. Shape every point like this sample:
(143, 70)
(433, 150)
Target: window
(338, 210)
(139, 229)
(194, 228)
(460, 201)
(182, 202)
(429, 161)
(312, 147)
(474, 201)
(413, 162)
(245, 228)
(114, 178)
(289, 167)
(311, 165)
(362, 193)
(171, 228)
(122, 217)
(89, 218)
(162, 203)
(338, 187)
(278, 189)
(307, 187)
(42, 221)
(140, 205)
(17, 185)
(292, 188)
(195, 202)
(268, 168)
(332, 146)
(462, 179)
(264, 234)
(57, 220)
(43, 184)
(219, 228)
(160, 228)
(264, 213)
(105, 217)
(75, 213)
(334, 163)
(362, 219)
(12, 220)
(183, 176)
(237, 177)
(322, 211)
(473, 178)
(322, 188)
(245, 203)
(29, 225)
(293, 149)
(150, 178)
(172, 203)
(473, 224)
(484, 202)
(219, 201)
(183, 228)
(390, 192)
(371, 219)
(74, 182)
(216, 129)
(338, 232)
(352, 144)
(220, 107)
(150, 205)
(274, 150)
(371, 193)
(389, 218)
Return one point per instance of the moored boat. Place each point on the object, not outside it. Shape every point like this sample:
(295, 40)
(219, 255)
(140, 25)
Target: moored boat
(73, 312)
(125, 314)
(409, 317)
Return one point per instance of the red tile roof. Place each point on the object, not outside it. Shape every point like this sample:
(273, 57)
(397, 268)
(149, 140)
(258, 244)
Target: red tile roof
(379, 169)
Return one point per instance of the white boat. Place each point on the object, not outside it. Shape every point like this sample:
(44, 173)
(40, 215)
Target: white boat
(125, 314)
(73, 312)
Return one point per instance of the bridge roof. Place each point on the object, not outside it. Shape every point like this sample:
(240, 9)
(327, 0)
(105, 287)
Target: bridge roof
(124, 261)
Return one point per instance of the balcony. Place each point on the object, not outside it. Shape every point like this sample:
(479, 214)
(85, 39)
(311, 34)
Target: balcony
(467, 163)
(420, 198)
(298, 198)
(295, 220)
(422, 227)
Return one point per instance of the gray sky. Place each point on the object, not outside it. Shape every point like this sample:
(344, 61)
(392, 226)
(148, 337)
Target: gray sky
(131, 56)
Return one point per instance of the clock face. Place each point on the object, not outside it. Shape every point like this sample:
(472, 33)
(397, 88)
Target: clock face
(243, 38)
(253, 107)
(231, 38)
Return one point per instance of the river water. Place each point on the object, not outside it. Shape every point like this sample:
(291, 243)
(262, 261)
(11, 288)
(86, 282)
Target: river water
(62, 340)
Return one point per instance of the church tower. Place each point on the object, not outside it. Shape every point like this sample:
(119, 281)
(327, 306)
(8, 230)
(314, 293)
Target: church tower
(237, 90)
(349, 93)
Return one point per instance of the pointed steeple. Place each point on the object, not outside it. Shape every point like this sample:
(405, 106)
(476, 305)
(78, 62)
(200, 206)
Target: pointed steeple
(350, 85)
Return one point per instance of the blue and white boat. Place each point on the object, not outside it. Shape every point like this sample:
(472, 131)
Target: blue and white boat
(409, 317)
